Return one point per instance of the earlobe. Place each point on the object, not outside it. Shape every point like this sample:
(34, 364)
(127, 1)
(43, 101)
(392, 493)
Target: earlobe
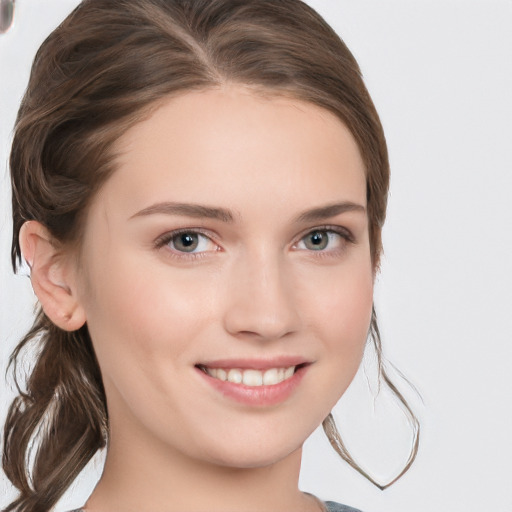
(52, 277)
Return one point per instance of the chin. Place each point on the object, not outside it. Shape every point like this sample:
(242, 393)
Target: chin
(248, 453)
(253, 460)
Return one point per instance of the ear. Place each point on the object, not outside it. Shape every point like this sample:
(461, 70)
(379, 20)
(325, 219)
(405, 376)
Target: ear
(53, 277)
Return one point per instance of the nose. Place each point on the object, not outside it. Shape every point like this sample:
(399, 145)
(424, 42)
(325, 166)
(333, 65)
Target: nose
(261, 299)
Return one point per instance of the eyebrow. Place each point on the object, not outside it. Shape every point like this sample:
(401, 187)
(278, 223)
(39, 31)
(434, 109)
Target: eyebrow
(331, 210)
(186, 210)
(201, 211)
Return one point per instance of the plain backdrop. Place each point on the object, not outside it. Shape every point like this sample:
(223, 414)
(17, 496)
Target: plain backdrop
(440, 73)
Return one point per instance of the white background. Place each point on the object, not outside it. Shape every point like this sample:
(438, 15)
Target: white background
(440, 73)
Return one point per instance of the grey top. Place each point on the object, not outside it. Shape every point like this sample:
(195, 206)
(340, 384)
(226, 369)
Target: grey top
(331, 507)
(338, 507)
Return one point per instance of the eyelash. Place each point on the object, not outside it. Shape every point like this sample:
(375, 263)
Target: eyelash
(345, 234)
(166, 239)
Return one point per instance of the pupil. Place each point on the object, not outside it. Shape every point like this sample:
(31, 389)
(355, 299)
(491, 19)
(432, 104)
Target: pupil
(186, 242)
(317, 241)
(317, 238)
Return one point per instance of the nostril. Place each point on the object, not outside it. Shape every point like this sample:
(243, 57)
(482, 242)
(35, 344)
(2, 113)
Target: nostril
(6, 15)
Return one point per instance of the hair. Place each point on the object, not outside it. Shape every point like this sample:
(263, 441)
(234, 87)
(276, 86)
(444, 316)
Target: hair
(104, 69)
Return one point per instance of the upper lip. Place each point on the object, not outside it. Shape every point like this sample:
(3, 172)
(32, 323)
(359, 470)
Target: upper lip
(256, 363)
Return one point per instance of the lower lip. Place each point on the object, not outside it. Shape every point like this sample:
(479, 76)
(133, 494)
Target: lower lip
(257, 395)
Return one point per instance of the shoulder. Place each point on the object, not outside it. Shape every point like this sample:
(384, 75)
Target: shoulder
(332, 506)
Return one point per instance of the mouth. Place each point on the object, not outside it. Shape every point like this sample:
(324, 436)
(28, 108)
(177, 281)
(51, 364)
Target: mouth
(252, 377)
(253, 382)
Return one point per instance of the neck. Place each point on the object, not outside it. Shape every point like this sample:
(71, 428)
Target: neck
(140, 476)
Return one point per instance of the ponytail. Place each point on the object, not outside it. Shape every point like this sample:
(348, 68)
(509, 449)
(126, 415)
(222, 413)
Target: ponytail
(59, 421)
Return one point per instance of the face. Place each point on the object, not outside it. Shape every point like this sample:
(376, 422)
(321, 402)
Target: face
(226, 276)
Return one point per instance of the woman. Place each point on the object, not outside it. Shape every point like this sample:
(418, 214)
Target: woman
(199, 189)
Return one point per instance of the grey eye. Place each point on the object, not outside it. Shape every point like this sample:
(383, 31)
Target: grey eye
(316, 240)
(322, 240)
(6, 15)
(186, 242)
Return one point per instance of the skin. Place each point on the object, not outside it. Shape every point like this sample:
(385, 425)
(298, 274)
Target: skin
(255, 289)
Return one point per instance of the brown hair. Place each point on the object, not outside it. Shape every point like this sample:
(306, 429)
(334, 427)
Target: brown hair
(100, 72)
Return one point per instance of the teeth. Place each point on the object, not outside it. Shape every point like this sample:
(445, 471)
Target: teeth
(252, 378)
(289, 372)
(235, 376)
(269, 377)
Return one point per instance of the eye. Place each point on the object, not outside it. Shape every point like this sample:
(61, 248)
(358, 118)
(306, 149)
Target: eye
(322, 240)
(188, 242)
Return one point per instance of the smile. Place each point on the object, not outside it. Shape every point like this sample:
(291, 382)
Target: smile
(251, 377)
(255, 383)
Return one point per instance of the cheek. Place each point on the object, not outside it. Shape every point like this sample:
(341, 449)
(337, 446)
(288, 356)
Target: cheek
(135, 313)
(339, 312)
(341, 300)
(337, 308)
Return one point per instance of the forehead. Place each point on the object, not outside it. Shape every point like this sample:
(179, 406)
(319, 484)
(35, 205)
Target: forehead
(235, 146)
